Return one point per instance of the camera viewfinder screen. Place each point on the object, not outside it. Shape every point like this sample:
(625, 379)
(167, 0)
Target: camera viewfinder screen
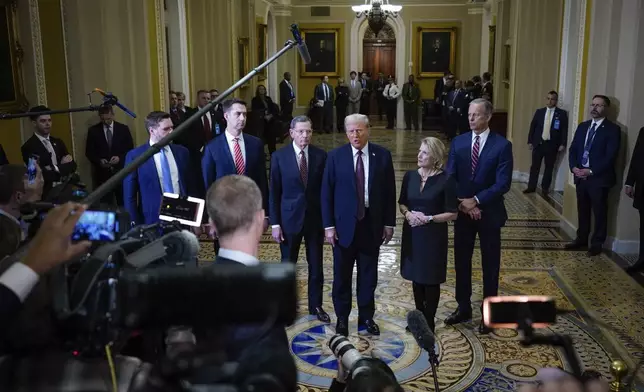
(96, 226)
(512, 312)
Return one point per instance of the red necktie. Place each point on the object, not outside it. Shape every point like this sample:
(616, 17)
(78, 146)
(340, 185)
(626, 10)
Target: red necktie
(304, 168)
(207, 131)
(239, 157)
(475, 153)
(360, 185)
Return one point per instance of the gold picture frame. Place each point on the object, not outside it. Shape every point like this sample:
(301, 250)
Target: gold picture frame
(324, 60)
(492, 51)
(262, 46)
(12, 96)
(243, 60)
(433, 58)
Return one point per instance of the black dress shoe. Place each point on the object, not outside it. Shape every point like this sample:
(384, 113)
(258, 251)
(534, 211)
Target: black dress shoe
(594, 251)
(484, 329)
(458, 317)
(575, 245)
(342, 327)
(372, 327)
(321, 315)
(529, 190)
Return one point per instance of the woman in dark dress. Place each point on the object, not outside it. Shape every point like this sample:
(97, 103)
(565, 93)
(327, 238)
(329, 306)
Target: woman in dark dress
(264, 105)
(428, 201)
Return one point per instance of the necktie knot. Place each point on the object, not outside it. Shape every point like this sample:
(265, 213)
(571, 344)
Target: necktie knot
(236, 140)
(359, 153)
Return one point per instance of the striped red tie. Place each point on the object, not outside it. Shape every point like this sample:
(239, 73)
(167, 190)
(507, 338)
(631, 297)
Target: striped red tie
(475, 153)
(304, 168)
(239, 158)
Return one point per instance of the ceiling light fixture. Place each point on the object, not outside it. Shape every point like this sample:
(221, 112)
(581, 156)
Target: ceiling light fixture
(377, 12)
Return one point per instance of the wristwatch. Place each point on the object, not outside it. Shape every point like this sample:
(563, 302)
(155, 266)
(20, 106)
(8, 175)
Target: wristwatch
(591, 172)
(430, 218)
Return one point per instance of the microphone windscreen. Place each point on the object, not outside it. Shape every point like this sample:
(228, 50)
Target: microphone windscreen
(304, 53)
(420, 330)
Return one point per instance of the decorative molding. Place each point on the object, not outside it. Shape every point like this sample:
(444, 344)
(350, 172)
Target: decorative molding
(580, 73)
(348, 5)
(63, 21)
(281, 10)
(36, 41)
(476, 11)
(161, 47)
(183, 46)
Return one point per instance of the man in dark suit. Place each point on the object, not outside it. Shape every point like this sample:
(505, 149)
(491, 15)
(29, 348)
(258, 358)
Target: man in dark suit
(287, 97)
(236, 152)
(439, 87)
(481, 163)
(634, 188)
(106, 146)
(3, 157)
(548, 135)
(236, 211)
(487, 89)
(294, 201)
(169, 171)
(592, 155)
(324, 98)
(53, 157)
(359, 214)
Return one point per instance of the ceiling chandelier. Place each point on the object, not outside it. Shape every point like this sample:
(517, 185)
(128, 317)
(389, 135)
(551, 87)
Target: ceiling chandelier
(377, 12)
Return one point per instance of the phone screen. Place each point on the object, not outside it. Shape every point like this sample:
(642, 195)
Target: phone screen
(100, 226)
(31, 170)
(508, 312)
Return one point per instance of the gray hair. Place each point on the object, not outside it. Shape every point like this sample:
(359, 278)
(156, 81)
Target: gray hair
(356, 118)
(300, 119)
(487, 105)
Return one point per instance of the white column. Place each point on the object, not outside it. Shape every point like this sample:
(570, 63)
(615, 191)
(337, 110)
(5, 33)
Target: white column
(485, 38)
(178, 47)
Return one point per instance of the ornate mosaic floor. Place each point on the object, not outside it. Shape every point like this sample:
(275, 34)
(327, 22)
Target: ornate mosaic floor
(533, 262)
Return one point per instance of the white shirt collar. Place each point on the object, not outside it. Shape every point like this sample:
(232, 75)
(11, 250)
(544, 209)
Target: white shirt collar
(365, 150)
(483, 135)
(231, 138)
(153, 143)
(39, 136)
(598, 121)
(298, 150)
(238, 256)
(552, 109)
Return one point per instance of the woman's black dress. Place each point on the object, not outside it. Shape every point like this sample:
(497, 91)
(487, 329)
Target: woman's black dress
(424, 248)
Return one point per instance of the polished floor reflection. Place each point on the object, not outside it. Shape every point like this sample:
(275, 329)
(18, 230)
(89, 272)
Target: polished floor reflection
(533, 262)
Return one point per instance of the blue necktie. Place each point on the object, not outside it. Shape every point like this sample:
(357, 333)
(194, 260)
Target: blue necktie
(589, 142)
(165, 171)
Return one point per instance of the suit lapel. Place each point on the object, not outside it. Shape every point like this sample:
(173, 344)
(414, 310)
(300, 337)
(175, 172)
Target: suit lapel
(224, 151)
(372, 166)
(177, 160)
(294, 159)
(249, 157)
(349, 155)
(489, 144)
(149, 167)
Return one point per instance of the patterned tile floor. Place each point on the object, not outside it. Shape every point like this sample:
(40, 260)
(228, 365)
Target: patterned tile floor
(533, 262)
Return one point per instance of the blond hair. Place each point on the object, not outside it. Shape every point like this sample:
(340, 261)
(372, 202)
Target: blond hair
(437, 151)
(232, 202)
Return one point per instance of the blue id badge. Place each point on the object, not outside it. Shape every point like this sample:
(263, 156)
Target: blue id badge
(217, 130)
(556, 124)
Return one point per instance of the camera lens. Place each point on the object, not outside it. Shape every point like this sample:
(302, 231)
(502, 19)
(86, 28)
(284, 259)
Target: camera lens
(345, 351)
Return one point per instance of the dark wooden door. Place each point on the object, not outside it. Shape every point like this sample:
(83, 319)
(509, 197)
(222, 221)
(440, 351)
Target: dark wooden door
(378, 56)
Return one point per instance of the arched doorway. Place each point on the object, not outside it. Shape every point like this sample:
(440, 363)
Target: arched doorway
(379, 57)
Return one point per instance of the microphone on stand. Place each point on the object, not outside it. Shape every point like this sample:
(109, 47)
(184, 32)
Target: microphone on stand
(301, 45)
(425, 339)
(111, 99)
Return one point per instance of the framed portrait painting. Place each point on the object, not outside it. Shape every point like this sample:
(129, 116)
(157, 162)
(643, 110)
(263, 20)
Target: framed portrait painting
(436, 51)
(323, 47)
(12, 96)
(243, 60)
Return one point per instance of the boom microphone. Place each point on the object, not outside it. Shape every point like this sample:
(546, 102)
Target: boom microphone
(301, 45)
(419, 328)
(111, 99)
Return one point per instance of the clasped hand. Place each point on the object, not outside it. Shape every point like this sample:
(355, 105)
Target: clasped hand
(469, 207)
(416, 218)
(581, 173)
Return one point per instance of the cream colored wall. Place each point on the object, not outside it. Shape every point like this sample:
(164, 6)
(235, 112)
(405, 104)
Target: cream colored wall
(211, 36)
(535, 36)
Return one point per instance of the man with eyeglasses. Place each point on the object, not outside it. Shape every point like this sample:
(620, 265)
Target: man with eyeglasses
(592, 157)
(294, 204)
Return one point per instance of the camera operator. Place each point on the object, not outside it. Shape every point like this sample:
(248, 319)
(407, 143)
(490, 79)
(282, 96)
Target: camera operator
(15, 191)
(50, 247)
(234, 204)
